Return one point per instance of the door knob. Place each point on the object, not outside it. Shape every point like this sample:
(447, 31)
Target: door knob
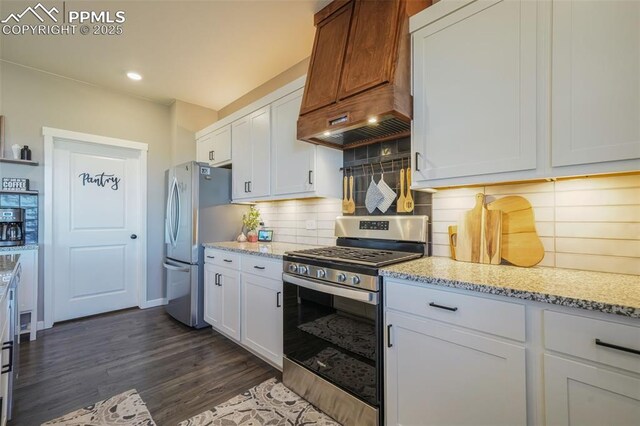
(133, 236)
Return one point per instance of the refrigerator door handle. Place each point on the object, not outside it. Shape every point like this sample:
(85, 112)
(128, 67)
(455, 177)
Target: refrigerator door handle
(168, 221)
(178, 209)
(175, 268)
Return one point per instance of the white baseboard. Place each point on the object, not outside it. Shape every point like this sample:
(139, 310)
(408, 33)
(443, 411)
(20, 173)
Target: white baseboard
(153, 303)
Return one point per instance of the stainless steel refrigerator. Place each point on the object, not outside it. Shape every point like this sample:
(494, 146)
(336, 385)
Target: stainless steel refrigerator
(198, 210)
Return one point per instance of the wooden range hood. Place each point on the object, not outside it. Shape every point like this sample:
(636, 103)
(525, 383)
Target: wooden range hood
(358, 88)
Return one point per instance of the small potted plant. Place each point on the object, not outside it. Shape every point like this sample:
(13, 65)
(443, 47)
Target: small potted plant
(251, 221)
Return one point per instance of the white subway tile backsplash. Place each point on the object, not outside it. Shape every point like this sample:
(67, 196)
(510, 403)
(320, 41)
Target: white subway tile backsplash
(519, 188)
(543, 214)
(548, 243)
(445, 203)
(620, 265)
(289, 220)
(598, 214)
(586, 223)
(628, 181)
(599, 197)
(615, 230)
(598, 246)
(545, 229)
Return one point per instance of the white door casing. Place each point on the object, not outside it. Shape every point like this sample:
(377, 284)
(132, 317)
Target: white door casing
(92, 264)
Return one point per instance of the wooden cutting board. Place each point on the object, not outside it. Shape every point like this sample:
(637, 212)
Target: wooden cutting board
(478, 236)
(521, 245)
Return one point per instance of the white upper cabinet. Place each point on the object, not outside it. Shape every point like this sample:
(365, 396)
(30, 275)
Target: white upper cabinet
(215, 148)
(596, 82)
(509, 90)
(299, 168)
(293, 160)
(251, 141)
(474, 81)
(269, 162)
(204, 147)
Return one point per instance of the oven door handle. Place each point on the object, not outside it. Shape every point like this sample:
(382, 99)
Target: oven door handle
(359, 295)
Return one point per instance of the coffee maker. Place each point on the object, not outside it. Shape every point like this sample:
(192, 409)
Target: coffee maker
(11, 227)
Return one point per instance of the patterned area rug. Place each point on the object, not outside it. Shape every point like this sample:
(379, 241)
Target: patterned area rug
(126, 409)
(269, 403)
(356, 336)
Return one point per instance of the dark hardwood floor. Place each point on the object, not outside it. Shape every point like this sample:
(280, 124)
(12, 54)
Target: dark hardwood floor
(178, 371)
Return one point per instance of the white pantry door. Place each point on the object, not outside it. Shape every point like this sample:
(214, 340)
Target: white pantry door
(96, 191)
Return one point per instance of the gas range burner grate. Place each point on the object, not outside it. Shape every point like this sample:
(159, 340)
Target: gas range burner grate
(359, 256)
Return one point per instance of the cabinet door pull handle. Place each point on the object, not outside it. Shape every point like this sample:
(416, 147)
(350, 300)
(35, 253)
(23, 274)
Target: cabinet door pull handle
(246, 186)
(228, 260)
(310, 177)
(215, 279)
(9, 367)
(617, 347)
(278, 304)
(210, 156)
(213, 155)
(211, 257)
(250, 190)
(416, 162)
(219, 280)
(259, 267)
(389, 344)
(447, 308)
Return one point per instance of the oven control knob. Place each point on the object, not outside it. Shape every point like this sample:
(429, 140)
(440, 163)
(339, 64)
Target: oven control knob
(342, 277)
(302, 269)
(293, 268)
(355, 280)
(321, 273)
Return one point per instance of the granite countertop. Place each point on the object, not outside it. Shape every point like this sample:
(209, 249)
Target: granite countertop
(17, 248)
(272, 250)
(7, 265)
(595, 291)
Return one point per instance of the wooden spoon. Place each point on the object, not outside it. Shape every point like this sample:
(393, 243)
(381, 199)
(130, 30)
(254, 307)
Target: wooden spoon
(345, 200)
(408, 202)
(401, 198)
(351, 208)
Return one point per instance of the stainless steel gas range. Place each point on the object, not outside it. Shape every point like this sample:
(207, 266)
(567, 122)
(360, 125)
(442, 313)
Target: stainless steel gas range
(332, 306)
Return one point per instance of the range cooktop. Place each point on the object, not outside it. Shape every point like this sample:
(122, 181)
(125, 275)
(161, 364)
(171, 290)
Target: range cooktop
(359, 256)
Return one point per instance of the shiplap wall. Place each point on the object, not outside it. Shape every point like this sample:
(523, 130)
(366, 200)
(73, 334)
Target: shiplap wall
(584, 223)
(288, 219)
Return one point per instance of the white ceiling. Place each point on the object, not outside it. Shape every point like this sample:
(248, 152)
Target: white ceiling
(204, 52)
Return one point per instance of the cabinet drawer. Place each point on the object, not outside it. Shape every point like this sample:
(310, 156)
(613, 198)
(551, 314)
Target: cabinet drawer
(576, 335)
(478, 313)
(268, 268)
(223, 258)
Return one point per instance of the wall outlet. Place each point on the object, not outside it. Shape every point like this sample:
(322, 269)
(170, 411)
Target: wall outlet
(311, 224)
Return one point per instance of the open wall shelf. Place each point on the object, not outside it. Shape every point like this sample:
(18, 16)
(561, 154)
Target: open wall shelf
(25, 162)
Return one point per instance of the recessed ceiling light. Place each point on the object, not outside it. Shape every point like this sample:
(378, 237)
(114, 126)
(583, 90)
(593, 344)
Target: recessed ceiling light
(134, 76)
(327, 133)
(373, 120)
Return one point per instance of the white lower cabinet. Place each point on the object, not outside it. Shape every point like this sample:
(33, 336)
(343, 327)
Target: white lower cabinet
(591, 370)
(581, 394)
(262, 316)
(211, 295)
(438, 374)
(244, 301)
(456, 358)
(222, 299)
